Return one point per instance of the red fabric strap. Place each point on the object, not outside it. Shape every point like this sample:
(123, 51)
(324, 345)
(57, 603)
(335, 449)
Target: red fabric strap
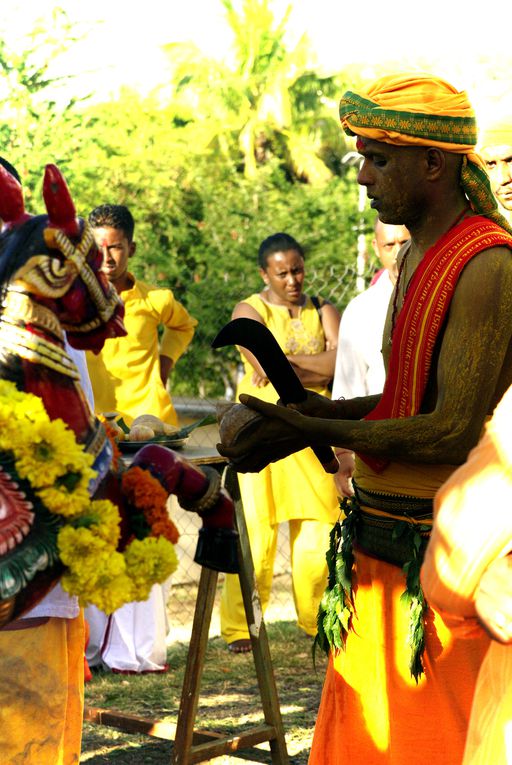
(422, 315)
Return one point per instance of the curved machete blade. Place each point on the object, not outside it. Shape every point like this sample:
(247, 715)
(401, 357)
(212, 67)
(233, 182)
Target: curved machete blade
(259, 340)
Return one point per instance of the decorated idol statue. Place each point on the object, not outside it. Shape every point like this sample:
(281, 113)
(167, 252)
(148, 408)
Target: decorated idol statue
(69, 509)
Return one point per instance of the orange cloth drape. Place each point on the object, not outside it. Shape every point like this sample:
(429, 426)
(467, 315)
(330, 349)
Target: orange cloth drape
(473, 527)
(372, 712)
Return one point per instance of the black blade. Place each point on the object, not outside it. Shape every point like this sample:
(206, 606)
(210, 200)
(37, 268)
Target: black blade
(259, 340)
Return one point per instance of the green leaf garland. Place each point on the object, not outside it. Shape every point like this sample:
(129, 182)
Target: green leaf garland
(336, 608)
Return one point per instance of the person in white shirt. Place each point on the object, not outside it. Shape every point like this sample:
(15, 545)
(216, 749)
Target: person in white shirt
(359, 367)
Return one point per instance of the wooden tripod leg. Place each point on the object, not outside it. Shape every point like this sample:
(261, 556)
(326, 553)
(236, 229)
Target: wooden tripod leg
(194, 669)
(257, 630)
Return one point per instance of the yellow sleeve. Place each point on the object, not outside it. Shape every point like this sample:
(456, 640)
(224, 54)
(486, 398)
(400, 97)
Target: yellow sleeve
(179, 325)
(472, 523)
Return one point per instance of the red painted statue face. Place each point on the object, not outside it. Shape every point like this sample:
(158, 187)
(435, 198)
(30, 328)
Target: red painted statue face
(55, 259)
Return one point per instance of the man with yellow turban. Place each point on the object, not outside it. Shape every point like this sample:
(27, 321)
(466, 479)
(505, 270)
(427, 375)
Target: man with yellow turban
(399, 685)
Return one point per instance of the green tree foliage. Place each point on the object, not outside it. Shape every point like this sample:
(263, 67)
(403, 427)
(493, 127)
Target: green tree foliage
(36, 115)
(210, 163)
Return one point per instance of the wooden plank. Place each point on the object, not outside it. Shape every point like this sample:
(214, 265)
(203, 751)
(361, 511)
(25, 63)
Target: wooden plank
(233, 745)
(257, 629)
(134, 724)
(195, 663)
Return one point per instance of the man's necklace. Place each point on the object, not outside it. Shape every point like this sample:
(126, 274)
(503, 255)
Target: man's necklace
(401, 274)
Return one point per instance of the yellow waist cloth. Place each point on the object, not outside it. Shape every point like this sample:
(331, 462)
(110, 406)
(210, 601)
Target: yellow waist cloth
(419, 480)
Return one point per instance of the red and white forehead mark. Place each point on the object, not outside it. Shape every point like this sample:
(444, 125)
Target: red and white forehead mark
(360, 143)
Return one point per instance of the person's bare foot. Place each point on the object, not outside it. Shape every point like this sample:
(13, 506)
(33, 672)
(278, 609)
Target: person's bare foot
(240, 646)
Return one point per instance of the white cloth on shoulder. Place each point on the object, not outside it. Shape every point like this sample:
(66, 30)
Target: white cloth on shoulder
(359, 367)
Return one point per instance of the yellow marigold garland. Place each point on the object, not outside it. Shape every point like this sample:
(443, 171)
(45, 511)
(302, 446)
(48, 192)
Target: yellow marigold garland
(47, 456)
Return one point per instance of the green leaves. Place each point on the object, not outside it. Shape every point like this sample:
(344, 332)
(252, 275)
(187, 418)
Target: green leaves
(412, 598)
(334, 619)
(336, 607)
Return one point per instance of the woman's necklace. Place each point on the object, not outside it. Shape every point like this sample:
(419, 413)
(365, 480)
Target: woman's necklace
(401, 274)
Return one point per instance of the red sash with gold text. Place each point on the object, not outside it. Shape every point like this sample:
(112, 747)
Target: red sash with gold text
(422, 315)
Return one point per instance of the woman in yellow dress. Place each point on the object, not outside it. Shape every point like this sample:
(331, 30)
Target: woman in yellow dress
(295, 489)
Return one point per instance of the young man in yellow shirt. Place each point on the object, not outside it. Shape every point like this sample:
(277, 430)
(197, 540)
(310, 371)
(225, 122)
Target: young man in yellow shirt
(130, 374)
(130, 377)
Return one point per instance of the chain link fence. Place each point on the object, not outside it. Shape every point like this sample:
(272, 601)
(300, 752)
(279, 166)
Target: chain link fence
(338, 285)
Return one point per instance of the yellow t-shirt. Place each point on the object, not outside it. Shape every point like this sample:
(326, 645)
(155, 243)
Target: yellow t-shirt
(125, 375)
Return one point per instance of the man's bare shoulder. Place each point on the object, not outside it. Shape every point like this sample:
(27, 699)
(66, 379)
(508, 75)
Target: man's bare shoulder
(487, 276)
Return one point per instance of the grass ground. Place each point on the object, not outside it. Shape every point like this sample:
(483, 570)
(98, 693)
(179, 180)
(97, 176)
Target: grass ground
(229, 699)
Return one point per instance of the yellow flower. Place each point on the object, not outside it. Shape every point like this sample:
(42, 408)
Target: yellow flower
(29, 407)
(108, 589)
(115, 594)
(150, 560)
(13, 431)
(105, 520)
(63, 502)
(59, 469)
(51, 453)
(80, 548)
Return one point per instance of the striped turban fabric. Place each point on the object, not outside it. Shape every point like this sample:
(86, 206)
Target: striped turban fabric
(421, 110)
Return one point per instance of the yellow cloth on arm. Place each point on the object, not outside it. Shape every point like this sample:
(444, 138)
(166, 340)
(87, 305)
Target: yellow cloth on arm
(42, 693)
(295, 489)
(125, 375)
(472, 529)
(421, 110)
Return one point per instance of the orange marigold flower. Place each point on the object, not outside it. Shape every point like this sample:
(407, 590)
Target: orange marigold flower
(111, 435)
(165, 529)
(146, 493)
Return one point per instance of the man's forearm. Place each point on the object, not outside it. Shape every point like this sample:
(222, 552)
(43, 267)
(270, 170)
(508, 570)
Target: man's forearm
(423, 438)
(354, 408)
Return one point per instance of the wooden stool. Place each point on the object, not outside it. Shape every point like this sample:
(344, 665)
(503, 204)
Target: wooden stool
(192, 745)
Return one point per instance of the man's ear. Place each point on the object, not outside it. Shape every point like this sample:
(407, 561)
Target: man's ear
(133, 247)
(435, 163)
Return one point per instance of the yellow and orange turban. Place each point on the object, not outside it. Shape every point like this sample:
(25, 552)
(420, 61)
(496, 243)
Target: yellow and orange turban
(422, 110)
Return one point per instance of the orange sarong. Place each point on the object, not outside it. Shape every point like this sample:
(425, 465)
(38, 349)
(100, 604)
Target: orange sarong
(372, 712)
